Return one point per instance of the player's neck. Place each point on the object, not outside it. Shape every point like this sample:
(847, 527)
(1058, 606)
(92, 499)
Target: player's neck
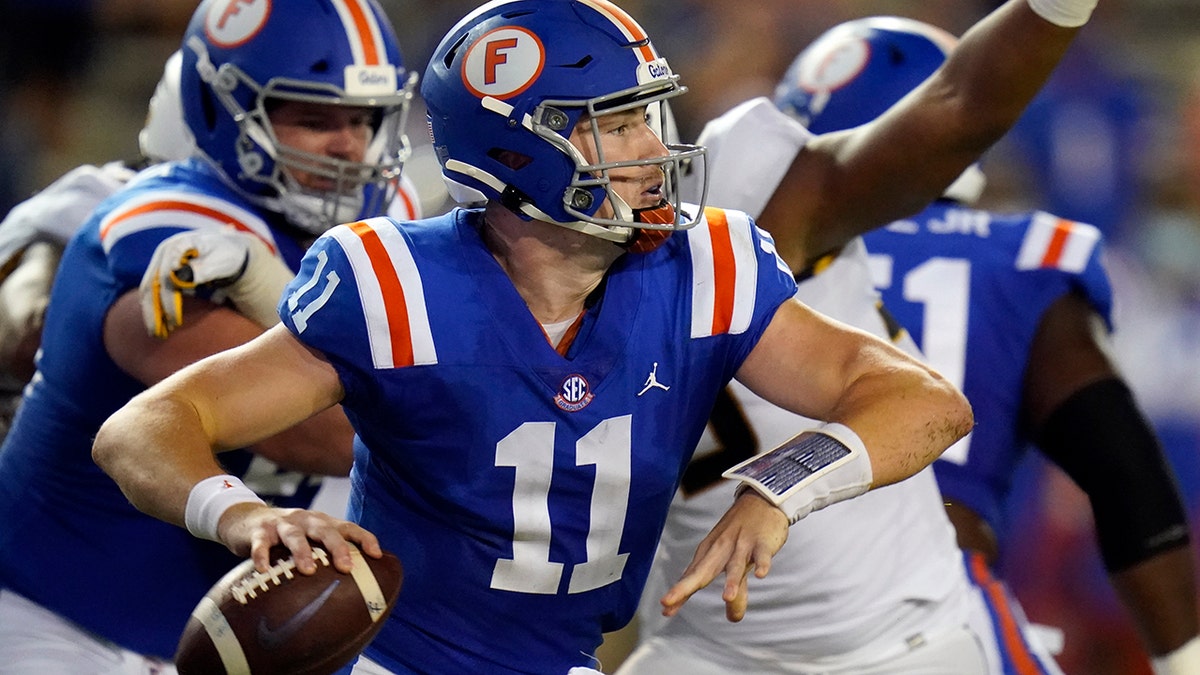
(553, 268)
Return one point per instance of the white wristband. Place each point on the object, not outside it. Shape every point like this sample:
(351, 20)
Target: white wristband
(208, 501)
(1183, 661)
(1065, 13)
(817, 468)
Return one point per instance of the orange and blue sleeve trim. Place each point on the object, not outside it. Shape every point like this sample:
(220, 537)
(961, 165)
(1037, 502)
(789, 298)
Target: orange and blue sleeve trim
(391, 291)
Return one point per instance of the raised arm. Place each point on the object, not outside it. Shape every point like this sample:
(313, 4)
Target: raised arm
(845, 183)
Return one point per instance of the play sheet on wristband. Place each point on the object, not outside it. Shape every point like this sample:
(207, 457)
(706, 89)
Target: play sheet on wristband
(786, 468)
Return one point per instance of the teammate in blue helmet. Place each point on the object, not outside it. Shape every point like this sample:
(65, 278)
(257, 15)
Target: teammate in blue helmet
(238, 69)
(293, 106)
(1013, 308)
(527, 378)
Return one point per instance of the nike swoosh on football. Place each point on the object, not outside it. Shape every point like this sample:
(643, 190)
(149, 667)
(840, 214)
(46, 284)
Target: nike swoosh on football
(274, 637)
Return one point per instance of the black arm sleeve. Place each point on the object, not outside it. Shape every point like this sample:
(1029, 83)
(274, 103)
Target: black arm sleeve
(1103, 442)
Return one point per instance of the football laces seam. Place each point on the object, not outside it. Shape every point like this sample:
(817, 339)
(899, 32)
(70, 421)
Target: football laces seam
(248, 588)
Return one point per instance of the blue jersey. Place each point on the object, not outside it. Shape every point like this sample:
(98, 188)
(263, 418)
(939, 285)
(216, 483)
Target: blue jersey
(69, 539)
(971, 287)
(523, 490)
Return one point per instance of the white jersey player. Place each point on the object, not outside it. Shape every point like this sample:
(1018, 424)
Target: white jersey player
(870, 585)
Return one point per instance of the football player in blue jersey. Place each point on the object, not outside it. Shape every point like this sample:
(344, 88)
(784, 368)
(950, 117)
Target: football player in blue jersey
(297, 112)
(34, 232)
(1013, 308)
(527, 379)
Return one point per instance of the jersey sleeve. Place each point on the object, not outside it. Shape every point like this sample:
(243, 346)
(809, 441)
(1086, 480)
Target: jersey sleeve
(1073, 248)
(738, 278)
(56, 212)
(130, 232)
(358, 299)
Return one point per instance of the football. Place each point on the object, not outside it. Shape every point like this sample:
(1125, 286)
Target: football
(282, 621)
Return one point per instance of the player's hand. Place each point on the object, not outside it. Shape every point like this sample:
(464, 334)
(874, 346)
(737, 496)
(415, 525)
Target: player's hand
(213, 264)
(749, 534)
(251, 529)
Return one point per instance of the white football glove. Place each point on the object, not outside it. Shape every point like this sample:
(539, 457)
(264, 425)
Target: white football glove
(218, 265)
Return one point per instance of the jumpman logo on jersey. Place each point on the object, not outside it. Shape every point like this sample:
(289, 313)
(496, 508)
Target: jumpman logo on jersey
(652, 381)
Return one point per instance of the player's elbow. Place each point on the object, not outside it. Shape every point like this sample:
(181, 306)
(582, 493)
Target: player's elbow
(966, 415)
(107, 447)
(959, 418)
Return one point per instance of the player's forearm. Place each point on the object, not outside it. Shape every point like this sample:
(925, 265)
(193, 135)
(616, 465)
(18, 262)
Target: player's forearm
(943, 126)
(154, 448)
(1160, 595)
(906, 416)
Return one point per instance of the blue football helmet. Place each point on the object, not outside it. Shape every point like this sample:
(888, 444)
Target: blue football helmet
(856, 70)
(508, 84)
(241, 56)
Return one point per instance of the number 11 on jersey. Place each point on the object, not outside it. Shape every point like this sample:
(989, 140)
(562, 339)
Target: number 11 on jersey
(530, 450)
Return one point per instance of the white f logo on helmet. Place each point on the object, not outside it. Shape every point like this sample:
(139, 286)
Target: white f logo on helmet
(232, 22)
(503, 63)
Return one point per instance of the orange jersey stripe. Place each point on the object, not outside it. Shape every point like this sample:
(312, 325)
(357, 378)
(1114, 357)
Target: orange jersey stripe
(1009, 632)
(358, 14)
(175, 205)
(724, 270)
(1058, 242)
(392, 291)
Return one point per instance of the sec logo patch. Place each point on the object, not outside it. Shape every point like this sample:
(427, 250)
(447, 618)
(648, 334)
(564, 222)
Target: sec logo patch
(574, 394)
(232, 22)
(503, 63)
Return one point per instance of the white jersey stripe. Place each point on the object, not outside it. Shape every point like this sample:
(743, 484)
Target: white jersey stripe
(746, 284)
(1054, 242)
(724, 273)
(424, 352)
(380, 328)
(183, 209)
(369, 294)
(703, 294)
(1079, 247)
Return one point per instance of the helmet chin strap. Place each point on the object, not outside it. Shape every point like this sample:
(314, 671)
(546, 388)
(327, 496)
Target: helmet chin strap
(317, 213)
(619, 235)
(633, 239)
